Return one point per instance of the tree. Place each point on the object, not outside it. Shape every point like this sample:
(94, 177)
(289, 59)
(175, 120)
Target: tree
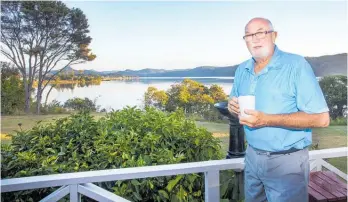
(185, 95)
(335, 92)
(173, 101)
(192, 96)
(71, 75)
(81, 104)
(36, 36)
(12, 91)
(217, 93)
(156, 98)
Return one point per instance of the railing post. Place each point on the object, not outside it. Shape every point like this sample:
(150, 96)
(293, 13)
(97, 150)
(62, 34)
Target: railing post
(74, 194)
(236, 148)
(319, 165)
(313, 165)
(212, 186)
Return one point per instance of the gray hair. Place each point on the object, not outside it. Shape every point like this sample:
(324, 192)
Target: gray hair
(265, 19)
(269, 24)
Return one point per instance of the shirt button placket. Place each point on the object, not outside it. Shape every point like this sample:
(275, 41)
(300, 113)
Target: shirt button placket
(253, 85)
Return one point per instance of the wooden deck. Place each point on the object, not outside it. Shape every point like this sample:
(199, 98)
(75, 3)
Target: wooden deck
(325, 186)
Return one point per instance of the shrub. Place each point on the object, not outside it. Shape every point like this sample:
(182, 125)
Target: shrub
(12, 90)
(81, 104)
(124, 138)
(341, 121)
(54, 107)
(192, 96)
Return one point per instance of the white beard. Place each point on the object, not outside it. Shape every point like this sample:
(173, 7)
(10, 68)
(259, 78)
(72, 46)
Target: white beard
(261, 53)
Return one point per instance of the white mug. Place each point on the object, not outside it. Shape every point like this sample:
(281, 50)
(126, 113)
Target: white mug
(246, 102)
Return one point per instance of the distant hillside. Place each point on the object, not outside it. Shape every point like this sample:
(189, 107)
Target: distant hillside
(329, 64)
(204, 71)
(143, 72)
(322, 66)
(69, 70)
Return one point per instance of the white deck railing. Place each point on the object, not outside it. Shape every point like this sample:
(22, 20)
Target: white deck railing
(80, 183)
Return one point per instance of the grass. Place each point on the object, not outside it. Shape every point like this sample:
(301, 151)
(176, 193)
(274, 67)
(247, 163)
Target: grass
(214, 127)
(10, 123)
(331, 137)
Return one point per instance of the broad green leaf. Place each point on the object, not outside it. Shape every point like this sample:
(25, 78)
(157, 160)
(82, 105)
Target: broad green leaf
(197, 141)
(151, 185)
(135, 182)
(182, 193)
(192, 177)
(51, 150)
(223, 188)
(175, 198)
(173, 182)
(198, 193)
(163, 193)
(137, 196)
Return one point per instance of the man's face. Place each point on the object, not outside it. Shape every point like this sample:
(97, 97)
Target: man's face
(260, 45)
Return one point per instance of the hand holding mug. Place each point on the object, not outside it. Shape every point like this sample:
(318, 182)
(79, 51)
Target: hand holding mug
(233, 106)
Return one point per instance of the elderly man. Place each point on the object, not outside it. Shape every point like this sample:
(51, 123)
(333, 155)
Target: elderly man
(288, 103)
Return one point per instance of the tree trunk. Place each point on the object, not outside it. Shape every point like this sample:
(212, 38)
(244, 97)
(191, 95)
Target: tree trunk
(39, 91)
(38, 98)
(48, 93)
(339, 111)
(27, 96)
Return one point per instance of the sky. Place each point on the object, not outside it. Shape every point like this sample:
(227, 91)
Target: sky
(181, 35)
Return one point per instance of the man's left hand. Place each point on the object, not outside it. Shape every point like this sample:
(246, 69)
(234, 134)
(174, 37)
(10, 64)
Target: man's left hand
(256, 119)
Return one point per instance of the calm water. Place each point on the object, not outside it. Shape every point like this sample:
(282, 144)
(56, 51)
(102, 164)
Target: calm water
(118, 94)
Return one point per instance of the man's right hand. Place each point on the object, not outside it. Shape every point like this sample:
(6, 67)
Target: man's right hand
(233, 106)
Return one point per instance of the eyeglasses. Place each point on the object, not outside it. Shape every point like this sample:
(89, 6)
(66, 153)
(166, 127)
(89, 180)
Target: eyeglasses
(258, 35)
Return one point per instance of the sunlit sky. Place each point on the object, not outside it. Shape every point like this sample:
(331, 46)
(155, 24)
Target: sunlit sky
(177, 35)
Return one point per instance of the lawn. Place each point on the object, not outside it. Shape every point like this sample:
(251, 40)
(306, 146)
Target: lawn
(331, 137)
(10, 123)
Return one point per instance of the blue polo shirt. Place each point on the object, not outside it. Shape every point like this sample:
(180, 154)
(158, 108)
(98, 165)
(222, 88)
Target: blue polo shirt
(286, 85)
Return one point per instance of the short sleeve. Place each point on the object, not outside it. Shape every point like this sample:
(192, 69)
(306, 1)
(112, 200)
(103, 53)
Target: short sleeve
(234, 90)
(309, 95)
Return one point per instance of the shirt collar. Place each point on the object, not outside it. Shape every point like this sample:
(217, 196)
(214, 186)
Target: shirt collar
(272, 62)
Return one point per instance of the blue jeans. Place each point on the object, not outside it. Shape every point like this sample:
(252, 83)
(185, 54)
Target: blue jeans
(276, 178)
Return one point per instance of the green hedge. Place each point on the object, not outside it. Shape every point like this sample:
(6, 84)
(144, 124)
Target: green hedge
(124, 138)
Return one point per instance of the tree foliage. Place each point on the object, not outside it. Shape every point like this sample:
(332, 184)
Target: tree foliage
(190, 95)
(335, 92)
(36, 36)
(156, 98)
(81, 104)
(12, 90)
